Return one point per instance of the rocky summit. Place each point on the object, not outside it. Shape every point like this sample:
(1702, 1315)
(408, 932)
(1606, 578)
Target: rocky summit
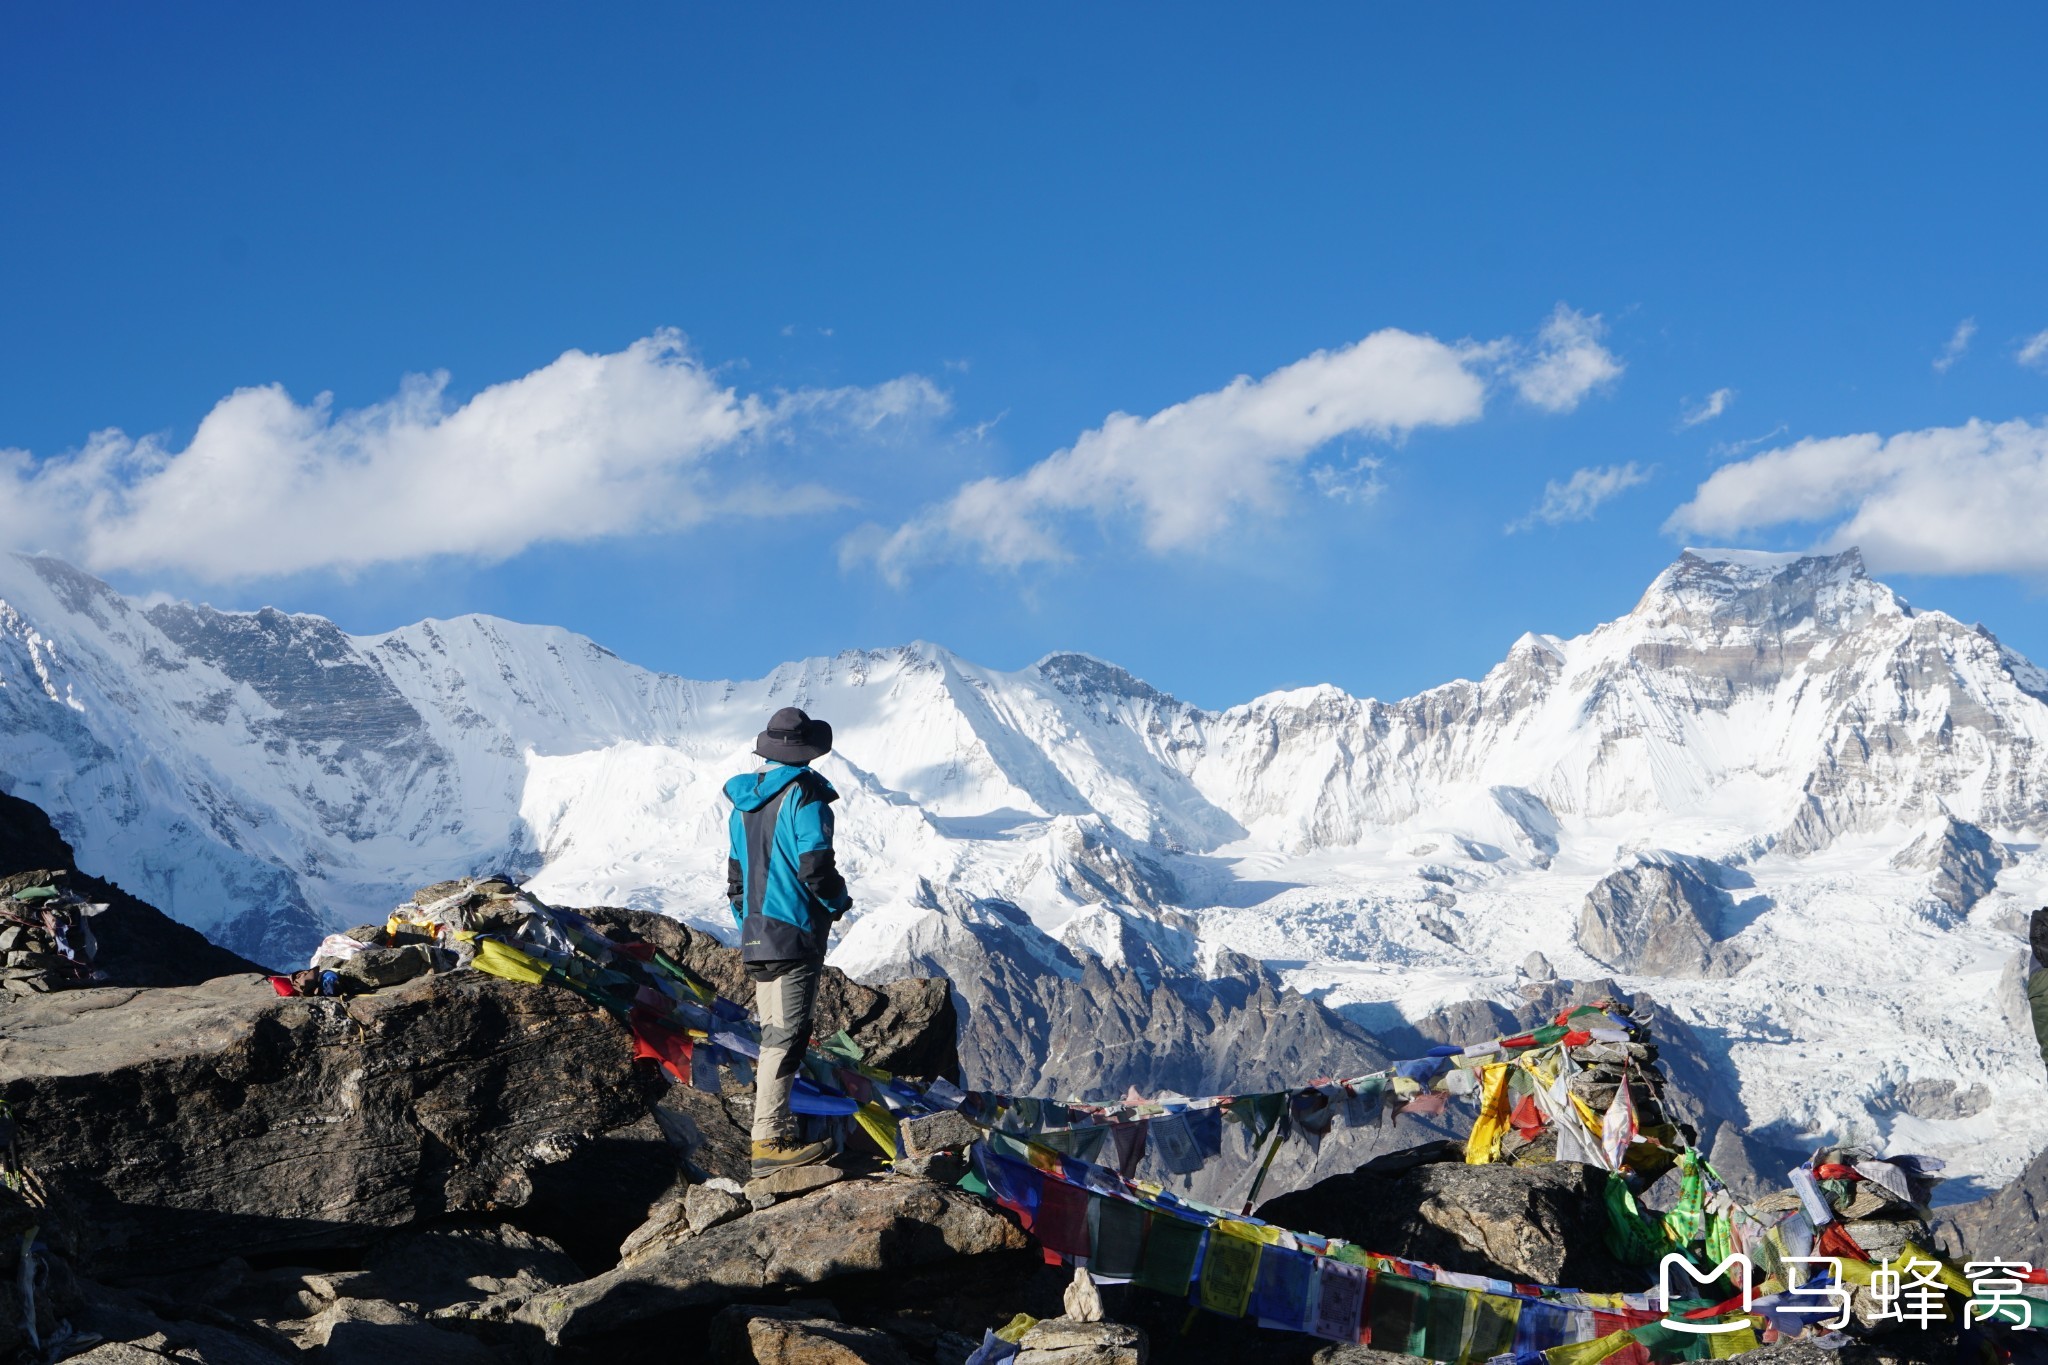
(452, 1167)
(437, 1164)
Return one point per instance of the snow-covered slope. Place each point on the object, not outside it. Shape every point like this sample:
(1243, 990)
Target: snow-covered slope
(1773, 793)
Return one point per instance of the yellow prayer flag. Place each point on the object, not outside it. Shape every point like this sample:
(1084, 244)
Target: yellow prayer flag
(1483, 1145)
(1721, 1345)
(876, 1122)
(502, 959)
(1589, 1352)
(1230, 1265)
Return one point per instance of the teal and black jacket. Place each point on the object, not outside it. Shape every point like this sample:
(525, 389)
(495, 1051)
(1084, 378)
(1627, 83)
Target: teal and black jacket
(784, 887)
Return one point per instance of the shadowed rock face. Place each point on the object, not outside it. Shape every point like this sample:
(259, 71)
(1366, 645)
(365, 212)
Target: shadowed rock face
(852, 1228)
(187, 1121)
(1528, 1223)
(1964, 859)
(308, 670)
(1659, 918)
(1042, 1019)
(139, 945)
(2011, 1223)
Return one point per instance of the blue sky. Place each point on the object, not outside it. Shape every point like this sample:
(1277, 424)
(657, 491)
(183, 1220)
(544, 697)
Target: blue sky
(911, 249)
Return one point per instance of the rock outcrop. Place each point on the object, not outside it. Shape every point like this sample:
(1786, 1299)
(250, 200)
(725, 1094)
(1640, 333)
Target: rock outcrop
(1541, 1224)
(860, 1227)
(446, 1170)
(184, 1122)
(138, 945)
(2012, 1221)
(1660, 916)
(1047, 1020)
(1964, 860)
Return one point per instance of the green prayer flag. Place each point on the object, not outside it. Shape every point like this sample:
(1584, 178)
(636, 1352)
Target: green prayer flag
(1259, 1113)
(1720, 1238)
(1686, 1223)
(1632, 1238)
(35, 893)
(842, 1046)
(1171, 1246)
(1666, 1344)
(1397, 1314)
(1116, 1238)
(1549, 1034)
(1449, 1323)
(1229, 1269)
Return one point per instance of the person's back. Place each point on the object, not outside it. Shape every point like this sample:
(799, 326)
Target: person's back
(784, 886)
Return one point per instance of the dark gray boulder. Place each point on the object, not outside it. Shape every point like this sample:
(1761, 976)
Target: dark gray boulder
(139, 945)
(189, 1123)
(2011, 1222)
(1543, 1224)
(854, 1227)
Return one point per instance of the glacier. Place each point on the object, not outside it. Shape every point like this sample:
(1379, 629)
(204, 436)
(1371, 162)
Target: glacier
(1804, 815)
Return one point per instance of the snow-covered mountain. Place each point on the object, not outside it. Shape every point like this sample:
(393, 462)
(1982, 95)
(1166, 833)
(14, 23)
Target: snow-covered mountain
(1802, 813)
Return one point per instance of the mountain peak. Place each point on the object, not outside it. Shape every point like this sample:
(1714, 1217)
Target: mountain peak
(1707, 588)
(1084, 677)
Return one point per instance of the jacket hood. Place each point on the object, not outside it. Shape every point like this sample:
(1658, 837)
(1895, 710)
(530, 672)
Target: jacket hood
(751, 791)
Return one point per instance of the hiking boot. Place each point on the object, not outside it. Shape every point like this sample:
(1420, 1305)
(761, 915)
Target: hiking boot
(786, 1152)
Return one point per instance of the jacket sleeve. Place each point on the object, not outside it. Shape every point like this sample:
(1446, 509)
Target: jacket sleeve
(735, 871)
(816, 866)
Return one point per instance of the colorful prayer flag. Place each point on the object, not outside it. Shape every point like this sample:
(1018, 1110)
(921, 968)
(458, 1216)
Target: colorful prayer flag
(1340, 1299)
(1230, 1266)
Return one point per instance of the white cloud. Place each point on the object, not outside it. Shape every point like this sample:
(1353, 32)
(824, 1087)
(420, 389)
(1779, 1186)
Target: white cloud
(1567, 363)
(1189, 472)
(584, 447)
(1716, 404)
(2033, 352)
(1357, 482)
(1962, 499)
(1576, 498)
(1958, 344)
(1723, 450)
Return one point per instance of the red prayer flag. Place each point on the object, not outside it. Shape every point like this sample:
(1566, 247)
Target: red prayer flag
(1832, 1239)
(1527, 1118)
(1062, 1226)
(654, 1037)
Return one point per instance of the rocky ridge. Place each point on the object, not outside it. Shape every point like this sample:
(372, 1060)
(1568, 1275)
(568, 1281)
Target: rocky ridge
(463, 1169)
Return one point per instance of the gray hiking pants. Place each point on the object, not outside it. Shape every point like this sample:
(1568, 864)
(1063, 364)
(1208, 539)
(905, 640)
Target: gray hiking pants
(784, 1005)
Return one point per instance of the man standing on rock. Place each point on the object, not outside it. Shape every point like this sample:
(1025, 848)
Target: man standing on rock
(785, 892)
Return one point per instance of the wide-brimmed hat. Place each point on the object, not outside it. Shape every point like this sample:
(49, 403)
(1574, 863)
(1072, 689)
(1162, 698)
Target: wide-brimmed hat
(793, 737)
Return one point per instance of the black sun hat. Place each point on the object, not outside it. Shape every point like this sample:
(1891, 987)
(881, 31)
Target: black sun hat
(793, 737)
